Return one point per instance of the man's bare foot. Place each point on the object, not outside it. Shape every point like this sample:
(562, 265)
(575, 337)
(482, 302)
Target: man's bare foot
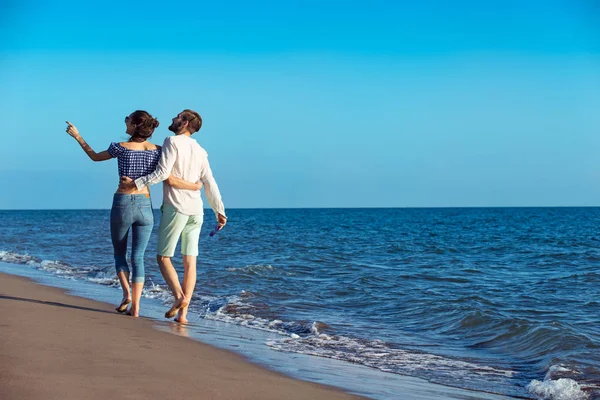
(181, 320)
(123, 306)
(181, 315)
(180, 303)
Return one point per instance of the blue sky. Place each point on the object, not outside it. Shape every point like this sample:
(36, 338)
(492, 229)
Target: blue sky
(311, 104)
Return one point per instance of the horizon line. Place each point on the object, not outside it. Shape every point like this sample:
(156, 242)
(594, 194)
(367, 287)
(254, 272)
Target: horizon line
(315, 208)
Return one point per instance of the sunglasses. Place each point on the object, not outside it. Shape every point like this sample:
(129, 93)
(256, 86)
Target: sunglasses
(126, 119)
(214, 231)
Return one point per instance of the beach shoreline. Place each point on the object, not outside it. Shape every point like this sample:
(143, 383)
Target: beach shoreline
(58, 346)
(272, 381)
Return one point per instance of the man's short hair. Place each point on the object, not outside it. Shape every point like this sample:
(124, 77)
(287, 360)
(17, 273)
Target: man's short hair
(193, 118)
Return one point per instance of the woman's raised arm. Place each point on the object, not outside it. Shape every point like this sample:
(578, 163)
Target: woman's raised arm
(102, 156)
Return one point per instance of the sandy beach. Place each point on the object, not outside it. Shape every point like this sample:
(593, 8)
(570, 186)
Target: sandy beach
(57, 346)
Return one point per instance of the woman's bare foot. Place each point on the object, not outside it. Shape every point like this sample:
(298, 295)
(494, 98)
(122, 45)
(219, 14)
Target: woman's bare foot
(123, 306)
(181, 320)
(134, 311)
(124, 281)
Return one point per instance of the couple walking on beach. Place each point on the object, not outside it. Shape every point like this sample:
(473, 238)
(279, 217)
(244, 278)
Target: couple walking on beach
(182, 164)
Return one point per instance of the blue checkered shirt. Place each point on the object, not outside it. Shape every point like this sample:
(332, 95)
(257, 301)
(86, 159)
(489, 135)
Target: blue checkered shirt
(134, 163)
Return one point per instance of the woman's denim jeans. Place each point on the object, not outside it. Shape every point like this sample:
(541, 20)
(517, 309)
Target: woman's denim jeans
(131, 211)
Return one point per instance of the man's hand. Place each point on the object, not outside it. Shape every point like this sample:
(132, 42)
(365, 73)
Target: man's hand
(198, 185)
(127, 183)
(222, 220)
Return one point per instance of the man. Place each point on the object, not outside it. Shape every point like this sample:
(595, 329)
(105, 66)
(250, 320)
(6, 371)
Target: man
(182, 210)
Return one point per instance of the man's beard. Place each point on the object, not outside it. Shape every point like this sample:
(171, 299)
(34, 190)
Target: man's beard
(174, 127)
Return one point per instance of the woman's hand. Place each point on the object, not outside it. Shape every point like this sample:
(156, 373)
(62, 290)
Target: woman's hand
(72, 130)
(198, 185)
(102, 156)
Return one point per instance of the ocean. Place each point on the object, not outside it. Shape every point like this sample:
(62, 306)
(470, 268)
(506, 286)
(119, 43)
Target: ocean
(496, 300)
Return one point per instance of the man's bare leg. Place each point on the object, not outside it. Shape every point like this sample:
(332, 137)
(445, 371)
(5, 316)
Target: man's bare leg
(168, 272)
(189, 284)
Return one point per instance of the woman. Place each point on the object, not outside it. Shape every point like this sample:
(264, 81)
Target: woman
(132, 209)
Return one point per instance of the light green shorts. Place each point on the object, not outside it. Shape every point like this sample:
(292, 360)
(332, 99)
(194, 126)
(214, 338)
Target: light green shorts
(174, 224)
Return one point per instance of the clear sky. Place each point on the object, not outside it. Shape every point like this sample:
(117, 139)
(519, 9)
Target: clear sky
(310, 103)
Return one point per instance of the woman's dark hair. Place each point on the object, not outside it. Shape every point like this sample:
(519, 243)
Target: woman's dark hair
(144, 125)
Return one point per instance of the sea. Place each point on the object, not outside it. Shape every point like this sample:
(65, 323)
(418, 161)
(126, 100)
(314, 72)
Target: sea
(501, 301)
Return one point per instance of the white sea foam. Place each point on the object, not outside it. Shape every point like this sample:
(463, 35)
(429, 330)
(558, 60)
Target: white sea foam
(52, 266)
(156, 291)
(259, 269)
(14, 258)
(559, 389)
(557, 368)
(253, 269)
(555, 387)
(233, 309)
(104, 279)
(380, 355)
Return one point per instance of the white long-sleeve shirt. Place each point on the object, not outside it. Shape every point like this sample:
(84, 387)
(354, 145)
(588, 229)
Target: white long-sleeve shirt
(183, 157)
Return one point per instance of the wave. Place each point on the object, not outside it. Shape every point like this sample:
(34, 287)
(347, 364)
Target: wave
(104, 276)
(560, 389)
(52, 266)
(554, 387)
(318, 338)
(253, 269)
(14, 258)
(385, 357)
